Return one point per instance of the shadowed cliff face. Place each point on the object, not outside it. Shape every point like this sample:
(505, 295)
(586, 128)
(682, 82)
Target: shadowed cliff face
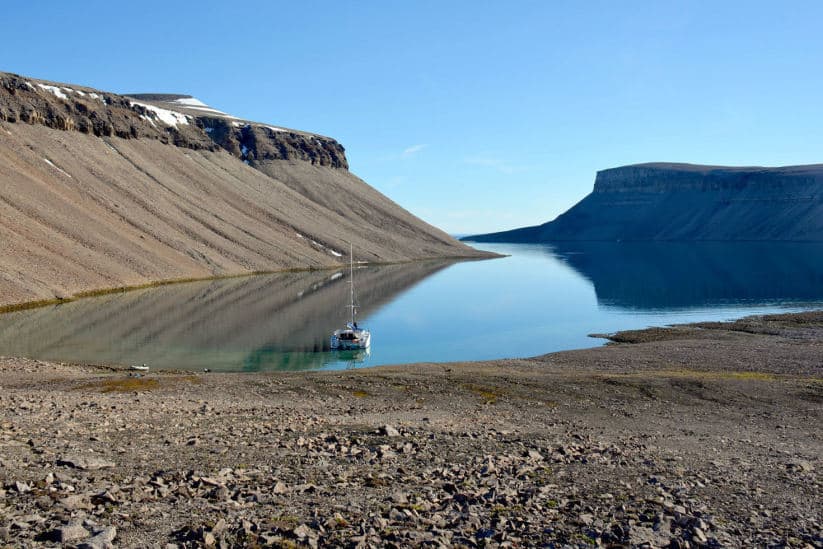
(790, 181)
(160, 117)
(688, 202)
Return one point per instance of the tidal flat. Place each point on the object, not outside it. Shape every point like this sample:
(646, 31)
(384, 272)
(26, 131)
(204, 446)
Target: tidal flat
(701, 435)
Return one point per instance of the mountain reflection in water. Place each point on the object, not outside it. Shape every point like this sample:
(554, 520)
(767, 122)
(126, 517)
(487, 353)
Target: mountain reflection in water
(539, 299)
(267, 322)
(679, 275)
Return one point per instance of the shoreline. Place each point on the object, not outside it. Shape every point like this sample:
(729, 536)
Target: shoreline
(688, 436)
(34, 304)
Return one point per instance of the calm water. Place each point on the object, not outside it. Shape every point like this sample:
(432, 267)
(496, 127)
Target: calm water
(538, 300)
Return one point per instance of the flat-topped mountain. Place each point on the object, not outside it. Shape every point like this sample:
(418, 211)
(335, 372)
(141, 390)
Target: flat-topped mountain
(666, 201)
(100, 190)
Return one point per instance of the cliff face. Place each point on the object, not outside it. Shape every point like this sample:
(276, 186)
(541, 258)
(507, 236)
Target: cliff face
(172, 119)
(689, 202)
(99, 190)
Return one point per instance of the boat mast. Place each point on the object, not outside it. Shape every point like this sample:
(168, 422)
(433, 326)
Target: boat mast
(351, 280)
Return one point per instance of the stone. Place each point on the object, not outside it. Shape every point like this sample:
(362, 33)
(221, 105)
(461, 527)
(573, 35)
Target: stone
(302, 531)
(102, 540)
(800, 466)
(75, 502)
(220, 526)
(399, 497)
(389, 431)
(640, 535)
(105, 497)
(210, 481)
(86, 463)
(69, 533)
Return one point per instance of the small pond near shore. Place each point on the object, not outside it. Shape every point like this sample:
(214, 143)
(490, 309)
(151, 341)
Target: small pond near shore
(539, 299)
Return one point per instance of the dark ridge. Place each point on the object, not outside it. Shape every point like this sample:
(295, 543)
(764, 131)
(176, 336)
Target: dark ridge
(684, 202)
(158, 96)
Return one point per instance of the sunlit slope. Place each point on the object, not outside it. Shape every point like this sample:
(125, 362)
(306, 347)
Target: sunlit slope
(88, 210)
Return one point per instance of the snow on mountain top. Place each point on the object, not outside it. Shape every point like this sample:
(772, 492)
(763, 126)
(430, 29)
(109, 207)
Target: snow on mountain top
(210, 110)
(167, 117)
(193, 101)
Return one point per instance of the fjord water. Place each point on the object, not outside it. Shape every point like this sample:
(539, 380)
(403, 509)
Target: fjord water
(539, 299)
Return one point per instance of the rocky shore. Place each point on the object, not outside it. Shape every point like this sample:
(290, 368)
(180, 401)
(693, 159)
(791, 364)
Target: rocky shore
(705, 435)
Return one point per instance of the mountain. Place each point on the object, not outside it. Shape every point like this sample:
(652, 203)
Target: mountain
(664, 201)
(100, 190)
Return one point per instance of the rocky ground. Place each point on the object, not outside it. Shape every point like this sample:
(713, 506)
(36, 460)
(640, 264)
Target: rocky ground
(701, 436)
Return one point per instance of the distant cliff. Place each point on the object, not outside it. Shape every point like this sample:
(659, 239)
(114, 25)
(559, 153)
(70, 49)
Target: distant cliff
(660, 201)
(100, 191)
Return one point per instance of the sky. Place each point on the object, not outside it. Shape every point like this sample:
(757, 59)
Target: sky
(476, 115)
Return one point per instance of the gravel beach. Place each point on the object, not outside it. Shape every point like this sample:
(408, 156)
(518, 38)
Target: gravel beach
(705, 435)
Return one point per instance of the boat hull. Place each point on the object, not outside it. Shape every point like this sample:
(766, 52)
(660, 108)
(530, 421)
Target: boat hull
(348, 340)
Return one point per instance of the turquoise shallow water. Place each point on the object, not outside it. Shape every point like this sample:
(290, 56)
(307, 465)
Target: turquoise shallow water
(538, 300)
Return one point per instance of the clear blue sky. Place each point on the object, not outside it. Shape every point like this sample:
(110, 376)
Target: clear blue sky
(475, 115)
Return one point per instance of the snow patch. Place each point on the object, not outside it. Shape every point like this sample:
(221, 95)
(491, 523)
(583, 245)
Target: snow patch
(209, 130)
(322, 247)
(97, 96)
(207, 109)
(275, 129)
(197, 105)
(50, 163)
(299, 235)
(335, 276)
(212, 111)
(54, 90)
(190, 101)
(167, 117)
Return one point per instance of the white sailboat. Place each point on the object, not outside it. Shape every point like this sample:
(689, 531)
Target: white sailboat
(352, 336)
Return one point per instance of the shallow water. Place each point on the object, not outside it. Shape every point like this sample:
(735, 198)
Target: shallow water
(538, 300)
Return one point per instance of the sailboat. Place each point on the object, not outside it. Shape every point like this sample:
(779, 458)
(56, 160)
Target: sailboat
(352, 336)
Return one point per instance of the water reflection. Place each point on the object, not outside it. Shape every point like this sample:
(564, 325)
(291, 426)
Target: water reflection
(676, 275)
(273, 322)
(539, 299)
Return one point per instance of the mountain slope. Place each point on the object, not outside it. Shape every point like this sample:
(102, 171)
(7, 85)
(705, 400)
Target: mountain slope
(661, 201)
(99, 191)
